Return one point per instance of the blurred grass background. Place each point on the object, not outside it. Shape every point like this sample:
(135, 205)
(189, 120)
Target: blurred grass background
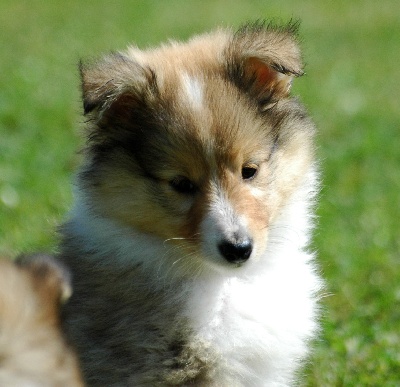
(352, 54)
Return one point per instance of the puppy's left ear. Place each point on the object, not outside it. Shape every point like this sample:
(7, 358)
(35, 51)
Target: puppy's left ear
(262, 61)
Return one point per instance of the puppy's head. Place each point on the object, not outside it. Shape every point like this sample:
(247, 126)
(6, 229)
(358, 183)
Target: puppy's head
(199, 144)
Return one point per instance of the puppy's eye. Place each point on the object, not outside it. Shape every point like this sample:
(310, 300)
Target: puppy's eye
(249, 171)
(183, 185)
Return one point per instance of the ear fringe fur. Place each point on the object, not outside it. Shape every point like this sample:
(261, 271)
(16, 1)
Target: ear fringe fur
(115, 75)
(263, 58)
(275, 44)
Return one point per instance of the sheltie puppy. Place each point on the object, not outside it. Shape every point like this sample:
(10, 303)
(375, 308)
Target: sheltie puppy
(188, 238)
(33, 351)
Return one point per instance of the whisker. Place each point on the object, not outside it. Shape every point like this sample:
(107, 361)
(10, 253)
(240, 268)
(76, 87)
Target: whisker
(174, 239)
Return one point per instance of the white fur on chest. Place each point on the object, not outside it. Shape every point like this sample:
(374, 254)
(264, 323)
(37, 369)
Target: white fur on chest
(258, 325)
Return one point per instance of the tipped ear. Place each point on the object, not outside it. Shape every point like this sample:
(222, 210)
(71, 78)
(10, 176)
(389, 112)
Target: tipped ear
(263, 60)
(113, 83)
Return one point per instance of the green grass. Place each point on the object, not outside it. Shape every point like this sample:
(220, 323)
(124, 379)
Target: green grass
(351, 88)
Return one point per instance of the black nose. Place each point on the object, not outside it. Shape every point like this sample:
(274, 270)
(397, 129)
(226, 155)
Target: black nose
(236, 252)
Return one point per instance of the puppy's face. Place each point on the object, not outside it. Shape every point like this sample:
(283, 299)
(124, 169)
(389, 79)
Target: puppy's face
(198, 144)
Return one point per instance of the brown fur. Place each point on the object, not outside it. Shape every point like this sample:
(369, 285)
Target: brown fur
(33, 351)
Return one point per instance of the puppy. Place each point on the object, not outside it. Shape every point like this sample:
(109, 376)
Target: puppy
(33, 352)
(188, 238)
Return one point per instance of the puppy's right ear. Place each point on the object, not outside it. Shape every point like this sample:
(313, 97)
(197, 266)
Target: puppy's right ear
(113, 83)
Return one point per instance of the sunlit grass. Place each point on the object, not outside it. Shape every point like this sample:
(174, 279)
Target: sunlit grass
(351, 87)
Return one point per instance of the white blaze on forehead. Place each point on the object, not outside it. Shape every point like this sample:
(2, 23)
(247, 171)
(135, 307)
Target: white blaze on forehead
(192, 91)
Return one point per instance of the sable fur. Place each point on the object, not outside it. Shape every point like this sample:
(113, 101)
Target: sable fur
(172, 133)
(33, 351)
